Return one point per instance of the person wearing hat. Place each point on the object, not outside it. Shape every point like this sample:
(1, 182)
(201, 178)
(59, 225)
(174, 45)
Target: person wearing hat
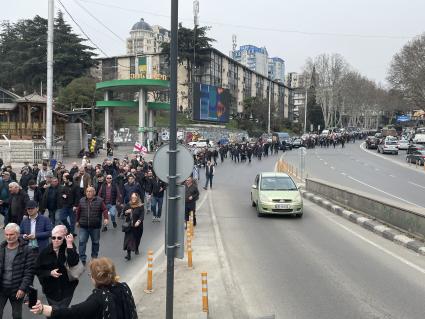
(36, 229)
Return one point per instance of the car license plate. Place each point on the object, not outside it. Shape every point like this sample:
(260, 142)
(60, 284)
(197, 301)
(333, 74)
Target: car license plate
(282, 206)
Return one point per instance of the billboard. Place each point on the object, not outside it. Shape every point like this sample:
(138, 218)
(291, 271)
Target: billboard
(210, 103)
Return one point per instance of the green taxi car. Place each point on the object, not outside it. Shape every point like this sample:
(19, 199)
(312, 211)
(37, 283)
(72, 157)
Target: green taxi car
(276, 193)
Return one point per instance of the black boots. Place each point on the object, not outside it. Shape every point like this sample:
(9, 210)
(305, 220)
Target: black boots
(128, 257)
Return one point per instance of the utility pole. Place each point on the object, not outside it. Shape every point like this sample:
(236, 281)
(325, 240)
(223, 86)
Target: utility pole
(49, 109)
(268, 122)
(172, 170)
(305, 111)
(195, 26)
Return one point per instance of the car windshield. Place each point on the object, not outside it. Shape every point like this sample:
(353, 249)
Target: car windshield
(277, 184)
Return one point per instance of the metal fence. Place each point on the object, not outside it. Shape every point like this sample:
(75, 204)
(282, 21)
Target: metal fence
(42, 154)
(5, 154)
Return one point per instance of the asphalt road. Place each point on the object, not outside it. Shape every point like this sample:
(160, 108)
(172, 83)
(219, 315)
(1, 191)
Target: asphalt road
(386, 175)
(320, 266)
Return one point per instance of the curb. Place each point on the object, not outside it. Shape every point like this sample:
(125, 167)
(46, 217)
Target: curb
(368, 223)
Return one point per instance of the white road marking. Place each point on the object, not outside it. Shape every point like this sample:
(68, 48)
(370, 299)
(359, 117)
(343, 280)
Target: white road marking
(370, 242)
(392, 176)
(320, 159)
(326, 163)
(377, 169)
(417, 185)
(345, 174)
(380, 190)
(332, 167)
(389, 159)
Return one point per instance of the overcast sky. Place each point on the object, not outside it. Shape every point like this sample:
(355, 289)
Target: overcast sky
(366, 32)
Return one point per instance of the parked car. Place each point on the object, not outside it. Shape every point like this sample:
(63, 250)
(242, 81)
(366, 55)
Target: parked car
(372, 142)
(276, 193)
(414, 147)
(297, 143)
(417, 156)
(403, 144)
(388, 146)
(201, 143)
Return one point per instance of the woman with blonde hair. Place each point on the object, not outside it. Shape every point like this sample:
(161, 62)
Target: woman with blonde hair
(134, 215)
(110, 298)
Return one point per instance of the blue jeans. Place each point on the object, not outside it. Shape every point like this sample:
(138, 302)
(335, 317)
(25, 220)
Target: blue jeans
(112, 211)
(208, 178)
(66, 213)
(94, 234)
(155, 201)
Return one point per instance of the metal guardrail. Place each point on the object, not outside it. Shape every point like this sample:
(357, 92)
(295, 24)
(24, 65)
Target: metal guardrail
(41, 153)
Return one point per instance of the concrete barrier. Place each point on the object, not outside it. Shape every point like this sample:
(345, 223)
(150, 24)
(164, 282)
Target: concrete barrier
(406, 217)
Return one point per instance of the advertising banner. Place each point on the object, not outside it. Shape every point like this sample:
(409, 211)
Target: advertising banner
(210, 103)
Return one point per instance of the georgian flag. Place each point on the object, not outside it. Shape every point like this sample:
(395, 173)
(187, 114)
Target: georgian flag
(139, 148)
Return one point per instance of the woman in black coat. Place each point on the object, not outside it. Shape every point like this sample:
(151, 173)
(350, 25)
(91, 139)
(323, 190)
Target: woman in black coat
(51, 271)
(134, 213)
(110, 298)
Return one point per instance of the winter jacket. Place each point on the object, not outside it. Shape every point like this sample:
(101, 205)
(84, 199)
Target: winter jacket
(69, 195)
(90, 212)
(50, 199)
(56, 288)
(23, 266)
(130, 189)
(157, 184)
(114, 193)
(43, 230)
(17, 204)
(24, 181)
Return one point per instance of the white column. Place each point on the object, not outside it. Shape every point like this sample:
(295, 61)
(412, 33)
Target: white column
(142, 107)
(150, 125)
(107, 119)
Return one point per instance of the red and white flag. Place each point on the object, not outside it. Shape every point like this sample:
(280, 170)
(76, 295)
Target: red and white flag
(139, 148)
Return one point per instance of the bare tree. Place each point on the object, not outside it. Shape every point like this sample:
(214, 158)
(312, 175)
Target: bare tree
(407, 71)
(330, 70)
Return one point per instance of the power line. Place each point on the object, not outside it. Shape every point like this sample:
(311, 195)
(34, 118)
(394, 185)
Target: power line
(249, 27)
(81, 29)
(94, 17)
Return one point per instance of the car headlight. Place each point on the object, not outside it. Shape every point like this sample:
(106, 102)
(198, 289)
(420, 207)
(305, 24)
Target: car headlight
(264, 198)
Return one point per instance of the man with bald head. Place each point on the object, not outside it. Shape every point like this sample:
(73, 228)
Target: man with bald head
(92, 213)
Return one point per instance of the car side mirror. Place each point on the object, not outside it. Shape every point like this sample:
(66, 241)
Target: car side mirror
(254, 186)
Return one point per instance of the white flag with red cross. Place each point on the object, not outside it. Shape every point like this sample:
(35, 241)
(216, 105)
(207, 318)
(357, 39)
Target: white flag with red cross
(139, 148)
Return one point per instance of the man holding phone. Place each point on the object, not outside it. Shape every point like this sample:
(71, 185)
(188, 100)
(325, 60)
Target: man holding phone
(16, 271)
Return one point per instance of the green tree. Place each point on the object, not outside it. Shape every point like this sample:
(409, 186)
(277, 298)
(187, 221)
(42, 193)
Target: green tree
(80, 93)
(186, 39)
(23, 50)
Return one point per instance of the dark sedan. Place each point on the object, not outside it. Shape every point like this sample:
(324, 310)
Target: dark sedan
(414, 147)
(372, 142)
(416, 157)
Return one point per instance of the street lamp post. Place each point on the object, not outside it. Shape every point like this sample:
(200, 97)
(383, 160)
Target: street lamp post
(268, 122)
(49, 106)
(305, 111)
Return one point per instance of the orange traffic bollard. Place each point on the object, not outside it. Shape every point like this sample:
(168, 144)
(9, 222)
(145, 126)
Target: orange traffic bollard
(192, 230)
(149, 289)
(189, 252)
(204, 292)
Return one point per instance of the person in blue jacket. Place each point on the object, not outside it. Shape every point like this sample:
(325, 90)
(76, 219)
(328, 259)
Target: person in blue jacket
(36, 229)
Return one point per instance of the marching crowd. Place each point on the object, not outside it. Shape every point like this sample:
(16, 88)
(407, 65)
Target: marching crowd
(42, 213)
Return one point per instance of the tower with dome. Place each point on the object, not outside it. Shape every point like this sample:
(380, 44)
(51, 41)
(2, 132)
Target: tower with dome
(146, 39)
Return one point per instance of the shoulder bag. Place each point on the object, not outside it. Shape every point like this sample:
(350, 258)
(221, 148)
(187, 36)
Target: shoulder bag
(74, 272)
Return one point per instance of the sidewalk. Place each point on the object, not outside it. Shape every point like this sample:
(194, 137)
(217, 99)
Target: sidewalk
(207, 256)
